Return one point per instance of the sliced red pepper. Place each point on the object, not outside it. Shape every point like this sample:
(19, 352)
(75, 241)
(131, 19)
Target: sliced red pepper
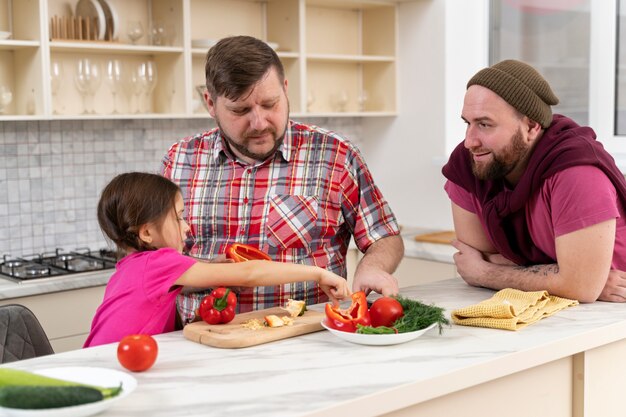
(240, 252)
(347, 319)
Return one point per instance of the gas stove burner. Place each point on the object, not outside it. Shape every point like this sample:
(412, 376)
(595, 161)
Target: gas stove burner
(36, 270)
(13, 263)
(54, 264)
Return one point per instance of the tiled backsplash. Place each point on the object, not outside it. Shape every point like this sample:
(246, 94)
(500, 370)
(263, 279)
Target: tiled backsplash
(52, 173)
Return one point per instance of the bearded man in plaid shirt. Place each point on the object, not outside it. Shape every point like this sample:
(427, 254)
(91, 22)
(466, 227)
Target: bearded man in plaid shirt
(297, 192)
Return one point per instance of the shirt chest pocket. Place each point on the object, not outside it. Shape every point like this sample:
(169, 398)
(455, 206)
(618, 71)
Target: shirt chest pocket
(292, 221)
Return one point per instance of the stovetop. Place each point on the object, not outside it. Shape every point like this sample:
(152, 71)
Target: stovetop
(60, 263)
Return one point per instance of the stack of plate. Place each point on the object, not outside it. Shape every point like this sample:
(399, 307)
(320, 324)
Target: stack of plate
(105, 15)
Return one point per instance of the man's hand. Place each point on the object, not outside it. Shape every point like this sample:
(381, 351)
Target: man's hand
(615, 288)
(380, 260)
(376, 280)
(470, 263)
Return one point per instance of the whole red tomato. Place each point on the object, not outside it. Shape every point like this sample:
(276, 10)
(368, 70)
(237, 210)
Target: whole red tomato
(137, 352)
(385, 311)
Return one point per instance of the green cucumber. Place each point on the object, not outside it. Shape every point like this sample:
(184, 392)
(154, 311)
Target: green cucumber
(46, 396)
(9, 376)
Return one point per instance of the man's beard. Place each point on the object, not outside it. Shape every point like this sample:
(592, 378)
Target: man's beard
(243, 149)
(503, 163)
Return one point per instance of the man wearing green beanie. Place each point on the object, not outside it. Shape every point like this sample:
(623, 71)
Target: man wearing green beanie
(537, 202)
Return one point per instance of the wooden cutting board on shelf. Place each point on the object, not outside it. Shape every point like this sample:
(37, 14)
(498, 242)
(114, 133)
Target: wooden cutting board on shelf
(234, 335)
(444, 237)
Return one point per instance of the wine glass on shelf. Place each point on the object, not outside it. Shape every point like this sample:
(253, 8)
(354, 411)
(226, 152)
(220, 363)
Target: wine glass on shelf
(6, 97)
(135, 89)
(134, 30)
(56, 80)
(362, 99)
(114, 79)
(87, 79)
(148, 79)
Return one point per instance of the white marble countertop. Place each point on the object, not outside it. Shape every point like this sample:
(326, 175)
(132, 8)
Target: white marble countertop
(10, 289)
(321, 375)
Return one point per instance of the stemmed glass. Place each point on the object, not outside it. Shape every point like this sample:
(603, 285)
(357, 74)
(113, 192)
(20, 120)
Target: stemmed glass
(148, 80)
(6, 96)
(88, 81)
(135, 89)
(114, 79)
(56, 79)
(134, 30)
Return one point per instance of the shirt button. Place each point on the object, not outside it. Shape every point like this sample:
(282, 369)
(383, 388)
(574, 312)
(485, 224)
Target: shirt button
(245, 200)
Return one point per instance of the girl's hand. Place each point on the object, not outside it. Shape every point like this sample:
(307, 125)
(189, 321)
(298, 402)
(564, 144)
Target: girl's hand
(334, 286)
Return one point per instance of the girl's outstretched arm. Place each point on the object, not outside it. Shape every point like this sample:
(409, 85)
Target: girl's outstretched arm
(262, 273)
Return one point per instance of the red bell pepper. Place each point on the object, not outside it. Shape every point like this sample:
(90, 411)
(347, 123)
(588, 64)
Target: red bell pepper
(219, 306)
(346, 320)
(240, 252)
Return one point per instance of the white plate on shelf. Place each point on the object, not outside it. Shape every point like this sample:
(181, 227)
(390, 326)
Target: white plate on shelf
(4, 35)
(86, 375)
(111, 18)
(378, 339)
(92, 8)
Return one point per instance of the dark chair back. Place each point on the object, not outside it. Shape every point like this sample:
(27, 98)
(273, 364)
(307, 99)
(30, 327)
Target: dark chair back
(21, 334)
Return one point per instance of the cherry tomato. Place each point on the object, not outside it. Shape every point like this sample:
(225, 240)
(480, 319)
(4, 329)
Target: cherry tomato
(385, 311)
(137, 352)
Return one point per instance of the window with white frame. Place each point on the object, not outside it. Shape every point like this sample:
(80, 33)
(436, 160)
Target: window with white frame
(554, 37)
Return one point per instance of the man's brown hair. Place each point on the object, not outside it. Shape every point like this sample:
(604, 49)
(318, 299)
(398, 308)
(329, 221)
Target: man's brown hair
(235, 64)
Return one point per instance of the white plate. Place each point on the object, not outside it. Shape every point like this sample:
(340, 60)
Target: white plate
(5, 35)
(110, 13)
(86, 375)
(91, 8)
(378, 339)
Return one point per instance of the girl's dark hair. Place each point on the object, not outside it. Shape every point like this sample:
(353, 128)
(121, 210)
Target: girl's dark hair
(236, 63)
(131, 200)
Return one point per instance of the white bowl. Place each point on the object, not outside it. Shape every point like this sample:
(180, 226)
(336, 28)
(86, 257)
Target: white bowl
(5, 35)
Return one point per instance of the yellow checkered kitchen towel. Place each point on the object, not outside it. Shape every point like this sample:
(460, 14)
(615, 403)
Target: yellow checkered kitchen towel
(511, 309)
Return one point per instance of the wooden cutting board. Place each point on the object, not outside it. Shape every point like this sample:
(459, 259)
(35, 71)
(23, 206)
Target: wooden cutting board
(234, 335)
(445, 237)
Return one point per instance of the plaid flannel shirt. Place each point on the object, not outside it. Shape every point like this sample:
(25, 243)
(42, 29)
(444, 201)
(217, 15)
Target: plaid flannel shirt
(302, 206)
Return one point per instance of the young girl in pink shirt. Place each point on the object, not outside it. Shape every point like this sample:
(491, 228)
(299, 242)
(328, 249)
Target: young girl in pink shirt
(142, 214)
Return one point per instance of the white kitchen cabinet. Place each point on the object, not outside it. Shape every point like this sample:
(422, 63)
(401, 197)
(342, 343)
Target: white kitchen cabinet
(339, 55)
(65, 316)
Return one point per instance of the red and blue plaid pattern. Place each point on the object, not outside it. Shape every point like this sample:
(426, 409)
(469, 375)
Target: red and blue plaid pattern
(301, 206)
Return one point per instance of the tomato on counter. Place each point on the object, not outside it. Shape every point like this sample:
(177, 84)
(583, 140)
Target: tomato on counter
(137, 352)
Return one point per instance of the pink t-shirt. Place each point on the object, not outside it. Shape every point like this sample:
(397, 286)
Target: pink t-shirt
(570, 200)
(139, 298)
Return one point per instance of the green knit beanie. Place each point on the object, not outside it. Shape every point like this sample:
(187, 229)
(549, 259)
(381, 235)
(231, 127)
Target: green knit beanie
(521, 86)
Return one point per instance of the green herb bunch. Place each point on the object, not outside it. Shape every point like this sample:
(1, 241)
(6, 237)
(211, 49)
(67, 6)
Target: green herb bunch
(417, 316)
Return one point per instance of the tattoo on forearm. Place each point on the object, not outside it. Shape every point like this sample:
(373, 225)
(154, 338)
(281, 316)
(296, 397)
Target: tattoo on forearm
(544, 270)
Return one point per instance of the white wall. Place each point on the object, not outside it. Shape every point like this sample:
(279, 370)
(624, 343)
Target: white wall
(441, 45)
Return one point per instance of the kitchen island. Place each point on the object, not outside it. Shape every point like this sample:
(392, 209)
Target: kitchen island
(570, 364)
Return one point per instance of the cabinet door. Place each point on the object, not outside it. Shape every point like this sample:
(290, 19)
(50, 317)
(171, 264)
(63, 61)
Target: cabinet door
(65, 316)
